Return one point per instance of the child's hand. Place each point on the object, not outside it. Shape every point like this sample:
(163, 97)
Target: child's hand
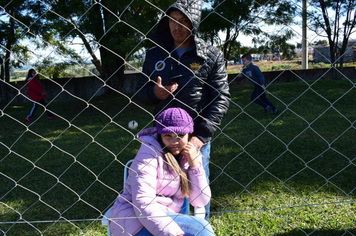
(191, 152)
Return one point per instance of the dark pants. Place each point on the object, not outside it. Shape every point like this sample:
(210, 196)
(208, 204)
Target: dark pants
(259, 96)
(34, 108)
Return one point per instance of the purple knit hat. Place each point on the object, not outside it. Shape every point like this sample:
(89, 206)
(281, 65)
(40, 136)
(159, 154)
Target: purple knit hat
(174, 120)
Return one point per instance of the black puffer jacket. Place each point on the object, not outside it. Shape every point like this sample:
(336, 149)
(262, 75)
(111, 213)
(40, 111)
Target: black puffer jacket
(203, 88)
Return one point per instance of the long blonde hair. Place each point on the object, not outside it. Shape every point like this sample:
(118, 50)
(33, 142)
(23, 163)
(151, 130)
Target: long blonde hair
(173, 163)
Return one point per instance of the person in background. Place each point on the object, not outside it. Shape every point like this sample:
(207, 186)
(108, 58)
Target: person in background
(184, 71)
(254, 74)
(36, 93)
(166, 169)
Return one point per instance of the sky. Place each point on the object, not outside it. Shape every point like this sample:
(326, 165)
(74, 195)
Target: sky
(245, 41)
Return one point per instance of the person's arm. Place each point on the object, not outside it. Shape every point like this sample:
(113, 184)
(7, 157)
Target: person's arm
(150, 89)
(241, 76)
(144, 187)
(196, 142)
(259, 76)
(219, 100)
(145, 86)
(200, 192)
(163, 92)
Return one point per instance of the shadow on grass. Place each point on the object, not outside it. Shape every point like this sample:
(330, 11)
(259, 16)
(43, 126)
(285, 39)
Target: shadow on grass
(317, 232)
(80, 176)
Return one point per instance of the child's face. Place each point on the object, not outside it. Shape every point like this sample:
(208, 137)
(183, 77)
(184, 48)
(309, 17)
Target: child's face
(175, 143)
(245, 62)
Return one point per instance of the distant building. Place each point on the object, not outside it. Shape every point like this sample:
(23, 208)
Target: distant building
(299, 51)
(256, 57)
(322, 53)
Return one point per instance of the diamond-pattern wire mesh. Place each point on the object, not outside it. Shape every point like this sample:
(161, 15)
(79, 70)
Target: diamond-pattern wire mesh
(293, 172)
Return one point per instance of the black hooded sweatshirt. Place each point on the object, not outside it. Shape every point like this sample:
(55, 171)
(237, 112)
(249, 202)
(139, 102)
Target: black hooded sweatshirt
(203, 89)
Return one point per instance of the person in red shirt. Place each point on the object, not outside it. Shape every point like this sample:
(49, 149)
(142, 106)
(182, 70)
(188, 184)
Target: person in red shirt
(36, 93)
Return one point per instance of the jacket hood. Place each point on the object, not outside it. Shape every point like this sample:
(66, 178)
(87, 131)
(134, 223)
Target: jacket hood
(190, 8)
(149, 136)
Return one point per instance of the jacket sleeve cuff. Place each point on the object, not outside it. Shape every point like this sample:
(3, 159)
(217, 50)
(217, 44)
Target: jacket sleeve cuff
(203, 139)
(198, 170)
(203, 136)
(203, 130)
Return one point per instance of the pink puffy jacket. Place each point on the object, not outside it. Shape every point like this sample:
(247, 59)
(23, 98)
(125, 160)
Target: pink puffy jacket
(152, 189)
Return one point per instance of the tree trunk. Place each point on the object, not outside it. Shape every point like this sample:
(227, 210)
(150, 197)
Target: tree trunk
(9, 44)
(7, 64)
(112, 69)
(2, 72)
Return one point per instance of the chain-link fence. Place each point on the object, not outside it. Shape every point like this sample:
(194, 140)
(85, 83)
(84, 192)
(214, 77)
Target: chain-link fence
(289, 173)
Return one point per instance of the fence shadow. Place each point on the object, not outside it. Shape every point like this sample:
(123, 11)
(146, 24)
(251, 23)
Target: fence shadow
(314, 232)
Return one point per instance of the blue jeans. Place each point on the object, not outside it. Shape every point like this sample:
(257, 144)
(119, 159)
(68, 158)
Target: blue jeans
(191, 226)
(259, 97)
(35, 106)
(205, 150)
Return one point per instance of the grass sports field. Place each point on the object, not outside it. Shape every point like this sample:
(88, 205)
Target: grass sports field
(286, 174)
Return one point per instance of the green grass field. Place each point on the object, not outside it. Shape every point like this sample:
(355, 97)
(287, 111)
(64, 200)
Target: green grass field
(286, 174)
(295, 64)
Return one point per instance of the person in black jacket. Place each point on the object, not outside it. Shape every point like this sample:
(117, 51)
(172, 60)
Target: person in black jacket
(184, 71)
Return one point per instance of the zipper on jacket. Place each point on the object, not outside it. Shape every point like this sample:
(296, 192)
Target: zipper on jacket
(171, 72)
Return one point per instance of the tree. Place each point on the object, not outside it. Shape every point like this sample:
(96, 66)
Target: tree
(10, 34)
(22, 22)
(337, 20)
(233, 17)
(116, 28)
(321, 42)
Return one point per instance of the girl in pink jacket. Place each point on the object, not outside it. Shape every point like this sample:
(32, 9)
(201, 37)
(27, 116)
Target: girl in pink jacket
(166, 169)
(36, 93)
